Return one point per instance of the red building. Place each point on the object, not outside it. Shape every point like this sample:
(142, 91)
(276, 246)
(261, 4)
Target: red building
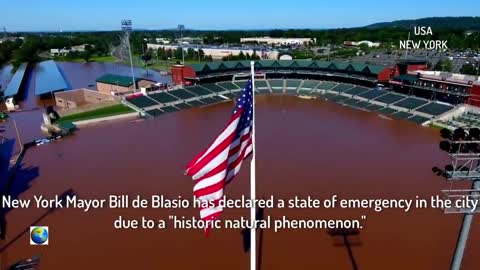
(182, 75)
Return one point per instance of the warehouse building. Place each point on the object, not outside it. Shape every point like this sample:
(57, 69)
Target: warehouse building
(279, 41)
(219, 52)
(117, 84)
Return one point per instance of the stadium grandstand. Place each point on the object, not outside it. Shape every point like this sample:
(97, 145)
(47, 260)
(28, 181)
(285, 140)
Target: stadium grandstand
(388, 91)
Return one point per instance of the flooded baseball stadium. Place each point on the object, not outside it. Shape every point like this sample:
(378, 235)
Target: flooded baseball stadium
(304, 147)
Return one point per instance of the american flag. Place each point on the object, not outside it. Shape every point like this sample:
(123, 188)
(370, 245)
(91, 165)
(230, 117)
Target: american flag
(222, 160)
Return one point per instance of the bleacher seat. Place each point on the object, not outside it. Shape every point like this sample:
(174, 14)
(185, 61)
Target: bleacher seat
(230, 95)
(307, 84)
(276, 85)
(374, 93)
(209, 100)
(142, 102)
(182, 106)
(411, 103)
(195, 103)
(435, 108)
(326, 85)
(181, 94)
(213, 87)
(401, 115)
(262, 86)
(198, 90)
(418, 119)
(163, 97)
(390, 98)
(362, 104)
(169, 109)
(356, 90)
(292, 86)
(341, 87)
(228, 85)
(374, 107)
(154, 112)
(387, 111)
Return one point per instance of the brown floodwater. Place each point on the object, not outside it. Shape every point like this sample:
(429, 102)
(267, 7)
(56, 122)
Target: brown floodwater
(304, 147)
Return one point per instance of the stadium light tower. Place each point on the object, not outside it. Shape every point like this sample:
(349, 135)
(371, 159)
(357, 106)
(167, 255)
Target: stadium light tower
(464, 151)
(127, 29)
(180, 30)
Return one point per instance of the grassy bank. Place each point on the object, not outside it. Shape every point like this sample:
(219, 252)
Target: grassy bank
(97, 113)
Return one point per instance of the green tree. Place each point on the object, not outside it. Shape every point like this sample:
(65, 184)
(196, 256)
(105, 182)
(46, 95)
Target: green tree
(469, 69)
(444, 65)
(178, 53)
(87, 54)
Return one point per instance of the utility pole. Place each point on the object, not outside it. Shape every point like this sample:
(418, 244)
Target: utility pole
(406, 50)
(127, 29)
(180, 29)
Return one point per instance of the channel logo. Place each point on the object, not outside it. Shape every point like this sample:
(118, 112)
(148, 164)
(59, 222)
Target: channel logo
(39, 235)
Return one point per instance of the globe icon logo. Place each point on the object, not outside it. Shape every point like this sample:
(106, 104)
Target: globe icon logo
(39, 235)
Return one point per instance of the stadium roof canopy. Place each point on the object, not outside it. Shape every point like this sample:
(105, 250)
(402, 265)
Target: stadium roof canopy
(16, 81)
(119, 80)
(220, 66)
(48, 78)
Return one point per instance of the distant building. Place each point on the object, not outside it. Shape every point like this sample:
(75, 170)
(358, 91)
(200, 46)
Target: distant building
(278, 41)
(218, 52)
(363, 42)
(65, 51)
(4, 39)
(117, 84)
(190, 40)
(81, 98)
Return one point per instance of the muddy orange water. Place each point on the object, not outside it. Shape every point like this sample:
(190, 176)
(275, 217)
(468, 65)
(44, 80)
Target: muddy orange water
(304, 147)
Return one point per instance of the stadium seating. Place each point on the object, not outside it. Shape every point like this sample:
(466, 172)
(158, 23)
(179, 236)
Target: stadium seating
(362, 104)
(262, 86)
(292, 86)
(390, 98)
(356, 90)
(230, 95)
(401, 115)
(198, 90)
(142, 101)
(328, 96)
(293, 83)
(209, 100)
(182, 106)
(374, 93)
(181, 94)
(228, 85)
(350, 102)
(213, 87)
(163, 97)
(411, 103)
(154, 112)
(276, 85)
(326, 85)
(169, 109)
(418, 119)
(374, 107)
(309, 84)
(195, 103)
(341, 87)
(338, 98)
(387, 111)
(435, 108)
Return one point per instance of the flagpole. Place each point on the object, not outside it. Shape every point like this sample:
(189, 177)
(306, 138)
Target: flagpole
(253, 242)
